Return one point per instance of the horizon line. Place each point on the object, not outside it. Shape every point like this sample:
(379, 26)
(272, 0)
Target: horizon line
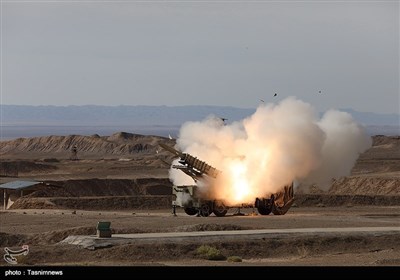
(174, 106)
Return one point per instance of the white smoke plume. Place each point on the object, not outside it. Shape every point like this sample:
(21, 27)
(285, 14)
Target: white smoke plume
(278, 144)
(183, 198)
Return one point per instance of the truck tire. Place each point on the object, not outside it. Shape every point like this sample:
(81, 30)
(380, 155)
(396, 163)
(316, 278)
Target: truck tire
(190, 211)
(277, 211)
(282, 210)
(220, 209)
(205, 209)
(263, 210)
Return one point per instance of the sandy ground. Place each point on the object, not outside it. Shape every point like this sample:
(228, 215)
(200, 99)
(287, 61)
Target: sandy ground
(43, 229)
(112, 171)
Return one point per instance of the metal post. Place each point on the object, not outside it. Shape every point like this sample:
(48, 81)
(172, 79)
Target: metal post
(5, 199)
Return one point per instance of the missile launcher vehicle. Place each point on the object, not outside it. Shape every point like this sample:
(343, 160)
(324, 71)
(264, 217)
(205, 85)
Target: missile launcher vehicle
(193, 202)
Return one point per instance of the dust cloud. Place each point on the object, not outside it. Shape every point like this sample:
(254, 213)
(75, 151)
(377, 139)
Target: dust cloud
(277, 145)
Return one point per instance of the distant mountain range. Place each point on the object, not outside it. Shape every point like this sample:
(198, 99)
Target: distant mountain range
(115, 115)
(146, 115)
(161, 118)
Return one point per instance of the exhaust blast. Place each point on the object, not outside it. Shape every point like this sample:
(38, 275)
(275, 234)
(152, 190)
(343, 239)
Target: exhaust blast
(278, 144)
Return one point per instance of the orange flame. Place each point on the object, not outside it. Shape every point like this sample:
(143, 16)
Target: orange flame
(240, 186)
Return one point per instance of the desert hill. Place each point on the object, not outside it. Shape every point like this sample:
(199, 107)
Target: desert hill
(376, 172)
(94, 146)
(130, 171)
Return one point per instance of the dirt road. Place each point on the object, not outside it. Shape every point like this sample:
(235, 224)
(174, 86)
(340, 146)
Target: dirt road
(43, 230)
(93, 242)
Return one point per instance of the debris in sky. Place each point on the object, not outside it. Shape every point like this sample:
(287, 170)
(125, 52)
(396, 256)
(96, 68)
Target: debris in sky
(275, 94)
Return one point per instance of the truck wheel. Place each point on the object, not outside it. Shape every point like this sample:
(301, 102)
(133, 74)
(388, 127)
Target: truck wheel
(220, 209)
(282, 210)
(263, 210)
(277, 211)
(190, 211)
(205, 210)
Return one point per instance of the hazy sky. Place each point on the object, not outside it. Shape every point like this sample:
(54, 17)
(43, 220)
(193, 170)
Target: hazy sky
(201, 53)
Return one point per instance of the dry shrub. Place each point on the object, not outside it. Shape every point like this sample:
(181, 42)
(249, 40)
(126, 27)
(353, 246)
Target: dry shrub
(234, 259)
(210, 253)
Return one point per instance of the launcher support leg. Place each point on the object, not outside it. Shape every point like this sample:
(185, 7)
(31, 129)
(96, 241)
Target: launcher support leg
(4, 199)
(238, 213)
